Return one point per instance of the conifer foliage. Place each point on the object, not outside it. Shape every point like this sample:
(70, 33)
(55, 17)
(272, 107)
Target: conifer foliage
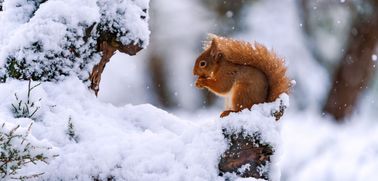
(19, 149)
(49, 40)
(26, 108)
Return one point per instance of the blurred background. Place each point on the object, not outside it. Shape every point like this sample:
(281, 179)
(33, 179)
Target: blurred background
(330, 131)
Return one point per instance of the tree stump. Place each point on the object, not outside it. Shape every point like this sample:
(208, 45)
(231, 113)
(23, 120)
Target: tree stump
(247, 154)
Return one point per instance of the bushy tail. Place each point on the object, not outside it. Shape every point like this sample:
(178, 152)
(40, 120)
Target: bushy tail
(258, 56)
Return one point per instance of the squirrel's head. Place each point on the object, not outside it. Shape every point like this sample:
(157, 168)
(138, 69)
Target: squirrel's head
(207, 63)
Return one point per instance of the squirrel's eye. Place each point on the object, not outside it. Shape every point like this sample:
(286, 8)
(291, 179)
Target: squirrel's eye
(202, 63)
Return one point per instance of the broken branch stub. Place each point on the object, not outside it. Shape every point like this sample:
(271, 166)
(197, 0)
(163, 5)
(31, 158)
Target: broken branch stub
(108, 45)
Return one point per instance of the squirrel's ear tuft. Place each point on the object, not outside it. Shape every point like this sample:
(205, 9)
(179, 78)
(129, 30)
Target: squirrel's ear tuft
(211, 36)
(208, 43)
(215, 51)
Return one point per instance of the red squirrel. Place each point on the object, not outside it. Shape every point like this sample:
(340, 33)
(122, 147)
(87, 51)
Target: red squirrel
(243, 73)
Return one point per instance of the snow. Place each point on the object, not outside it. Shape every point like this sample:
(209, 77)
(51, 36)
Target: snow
(265, 124)
(118, 87)
(314, 147)
(328, 151)
(22, 146)
(41, 30)
(125, 18)
(132, 142)
(142, 142)
(260, 120)
(177, 49)
(229, 14)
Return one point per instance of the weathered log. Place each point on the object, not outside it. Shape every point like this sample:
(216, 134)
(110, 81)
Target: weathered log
(247, 151)
(248, 156)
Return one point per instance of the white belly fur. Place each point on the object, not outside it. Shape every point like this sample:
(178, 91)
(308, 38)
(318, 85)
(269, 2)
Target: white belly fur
(228, 100)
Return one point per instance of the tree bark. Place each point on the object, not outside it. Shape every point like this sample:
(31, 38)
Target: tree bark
(356, 68)
(245, 150)
(108, 46)
(158, 72)
(249, 152)
(95, 77)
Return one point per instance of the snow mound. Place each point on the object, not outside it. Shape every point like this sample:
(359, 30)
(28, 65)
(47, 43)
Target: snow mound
(258, 119)
(47, 40)
(131, 142)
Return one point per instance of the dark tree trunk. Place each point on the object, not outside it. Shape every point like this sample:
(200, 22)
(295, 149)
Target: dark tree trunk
(356, 68)
(158, 73)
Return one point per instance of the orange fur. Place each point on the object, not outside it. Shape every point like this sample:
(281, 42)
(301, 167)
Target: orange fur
(243, 73)
(258, 56)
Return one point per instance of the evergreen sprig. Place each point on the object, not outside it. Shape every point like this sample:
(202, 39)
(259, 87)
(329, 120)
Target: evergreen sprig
(16, 152)
(26, 108)
(72, 136)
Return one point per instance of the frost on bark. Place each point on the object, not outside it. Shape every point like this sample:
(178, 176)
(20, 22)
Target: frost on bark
(356, 67)
(50, 40)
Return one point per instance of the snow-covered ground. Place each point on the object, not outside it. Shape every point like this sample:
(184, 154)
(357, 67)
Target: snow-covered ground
(132, 142)
(313, 146)
(316, 148)
(142, 142)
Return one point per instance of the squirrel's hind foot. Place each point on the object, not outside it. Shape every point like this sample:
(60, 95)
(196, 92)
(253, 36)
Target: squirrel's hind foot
(226, 113)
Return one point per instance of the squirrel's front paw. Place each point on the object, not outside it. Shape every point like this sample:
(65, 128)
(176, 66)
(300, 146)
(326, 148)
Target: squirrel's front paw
(201, 82)
(225, 113)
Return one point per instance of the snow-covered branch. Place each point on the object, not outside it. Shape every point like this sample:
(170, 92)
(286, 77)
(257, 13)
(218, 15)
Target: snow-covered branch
(49, 40)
